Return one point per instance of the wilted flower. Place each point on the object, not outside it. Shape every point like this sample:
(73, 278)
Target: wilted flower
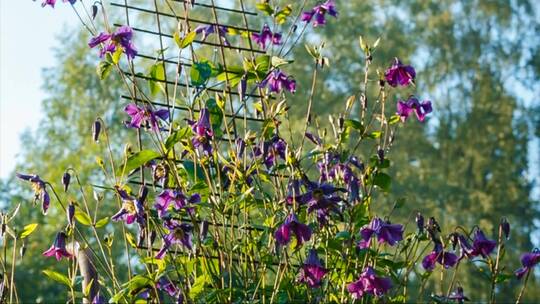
(421, 109)
(319, 13)
(202, 130)
(385, 232)
(528, 261)
(277, 81)
(179, 233)
(132, 208)
(505, 226)
(165, 198)
(121, 38)
(66, 178)
(266, 36)
(312, 271)
(400, 74)
(292, 226)
(206, 30)
(438, 255)
(481, 245)
(40, 191)
(146, 115)
(369, 284)
(58, 248)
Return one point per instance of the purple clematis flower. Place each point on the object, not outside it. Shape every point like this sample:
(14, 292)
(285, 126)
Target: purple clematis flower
(40, 191)
(58, 248)
(481, 245)
(277, 81)
(207, 30)
(270, 150)
(369, 284)
(165, 198)
(319, 13)
(266, 37)
(400, 74)
(387, 233)
(320, 198)
(53, 2)
(203, 131)
(421, 109)
(167, 285)
(132, 208)
(179, 233)
(312, 271)
(292, 226)
(121, 38)
(528, 261)
(145, 115)
(438, 255)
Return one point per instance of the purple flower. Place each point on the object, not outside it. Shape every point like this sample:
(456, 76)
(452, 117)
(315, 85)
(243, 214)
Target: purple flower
(292, 226)
(319, 13)
(277, 81)
(58, 248)
(179, 233)
(66, 178)
(458, 295)
(266, 36)
(481, 245)
(98, 299)
(400, 74)
(96, 129)
(71, 213)
(121, 38)
(165, 198)
(53, 2)
(421, 109)
(206, 30)
(312, 271)
(160, 172)
(270, 150)
(167, 285)
(385, 232)
(203, 131)
(528, 261)
(320, 198)
(369, 284)
(132, 209)
(40, 191)
(438, 255)
(146, 115)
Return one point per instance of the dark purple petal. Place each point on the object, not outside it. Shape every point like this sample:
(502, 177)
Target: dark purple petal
(101, 38)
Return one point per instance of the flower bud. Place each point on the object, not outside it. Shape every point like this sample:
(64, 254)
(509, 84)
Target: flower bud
(96, 129)
(143, 193)
(94, 11)
(22, 251)
(71, 213)
(66, 178)
(420, 222)
(505, 226)
(204, 229)
(153, 236)
(380, 154)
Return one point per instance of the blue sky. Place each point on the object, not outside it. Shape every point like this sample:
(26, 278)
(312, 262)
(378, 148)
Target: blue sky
(27, 35)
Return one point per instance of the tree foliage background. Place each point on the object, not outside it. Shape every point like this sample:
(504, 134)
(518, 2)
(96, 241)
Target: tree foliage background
(473, 163)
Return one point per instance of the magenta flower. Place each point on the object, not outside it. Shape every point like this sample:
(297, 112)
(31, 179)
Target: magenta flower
(387, 233)
(266, 37)
(312, 271)
(145, 115)
(168, 286)
(58, 248)
(400, 74)
(481, 245)
(202, 130)
(528, 261)
(321, 198)
(438, 255)
(292, 226)
(277, 81)
(271, 150)
(53, 2)
(121, 38)
(132, 208)
(369, 284)
(165, 198)
(40, 190)
(179, 233)
(421, 109)
(206, 30)
(319, 13)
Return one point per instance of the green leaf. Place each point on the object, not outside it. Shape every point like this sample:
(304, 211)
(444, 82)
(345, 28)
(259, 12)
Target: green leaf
(198, 285)
(394, 119)
(277, 61)
(139, 159)
(343, 235)
(177, 136)
(216, 114)
(189, 166)
(102, 222)
(383, 181)
(282, 15)
(375, 134)
(200, 72)
(262, 64)
(82, 217)
(103, 69)
(186, 40)
(157, 75)
(58, 277)
(266, 8)
(27, 230)
(355, 124)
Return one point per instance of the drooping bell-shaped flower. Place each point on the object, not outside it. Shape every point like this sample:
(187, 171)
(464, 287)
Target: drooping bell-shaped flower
(266, 37)
(481, 245)
(144, 115)
(438, 255)
(369, 284)
(400, 74)
(291, 226)
(385, 232)
(318, 13)
(120, 38)
(40, 191)
(528, 261)
(312, 270)
(412, 105)
(58, 248)
(278, 81)
(207, 30)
